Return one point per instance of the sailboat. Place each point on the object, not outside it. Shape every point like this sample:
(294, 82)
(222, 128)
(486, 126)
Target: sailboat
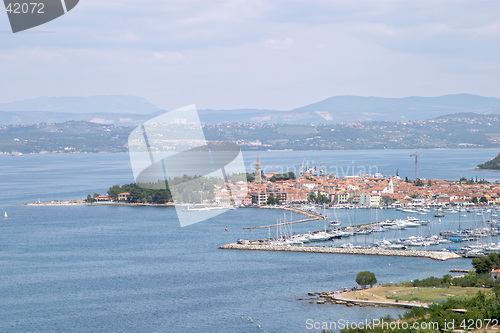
(5, 215)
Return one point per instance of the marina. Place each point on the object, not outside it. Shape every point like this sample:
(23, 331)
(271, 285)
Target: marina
(468, 236)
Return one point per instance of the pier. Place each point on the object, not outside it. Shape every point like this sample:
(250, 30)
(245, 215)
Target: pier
(435, 255)
(312, 217)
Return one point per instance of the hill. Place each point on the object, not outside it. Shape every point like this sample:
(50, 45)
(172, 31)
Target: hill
(478, 131)
(342, 109)
(494, 164)
(129, 110)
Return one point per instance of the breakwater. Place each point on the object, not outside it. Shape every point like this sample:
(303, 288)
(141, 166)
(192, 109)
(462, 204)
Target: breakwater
(435, 255)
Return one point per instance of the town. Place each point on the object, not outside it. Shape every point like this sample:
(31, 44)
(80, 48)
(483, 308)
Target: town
(364, 191)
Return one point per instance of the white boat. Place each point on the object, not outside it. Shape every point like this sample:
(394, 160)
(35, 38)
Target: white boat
(5, 215)
(396, 246)
(319, 237)
(409, 224)
(382, 243)
(363, 232)
(418, 243)
(347, 246)
(417, 221)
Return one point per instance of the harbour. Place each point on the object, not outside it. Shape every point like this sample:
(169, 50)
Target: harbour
(463, 237)
(87, 267)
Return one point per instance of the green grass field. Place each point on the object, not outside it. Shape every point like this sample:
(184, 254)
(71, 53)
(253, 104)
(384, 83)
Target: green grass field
(421, 294)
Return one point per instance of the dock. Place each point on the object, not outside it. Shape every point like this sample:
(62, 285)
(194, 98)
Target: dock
(435, 255)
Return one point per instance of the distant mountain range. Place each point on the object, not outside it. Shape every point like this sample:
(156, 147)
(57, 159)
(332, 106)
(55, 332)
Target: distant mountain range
(90, 104)
(130, 110)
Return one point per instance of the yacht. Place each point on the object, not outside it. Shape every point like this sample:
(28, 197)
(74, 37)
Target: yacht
(319, 237)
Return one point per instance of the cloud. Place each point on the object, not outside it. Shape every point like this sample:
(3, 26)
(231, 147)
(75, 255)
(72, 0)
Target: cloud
(257, 53)
(277, 44)
(167, 57)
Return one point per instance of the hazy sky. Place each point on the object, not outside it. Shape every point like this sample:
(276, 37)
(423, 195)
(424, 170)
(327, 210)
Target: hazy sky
(256, 54)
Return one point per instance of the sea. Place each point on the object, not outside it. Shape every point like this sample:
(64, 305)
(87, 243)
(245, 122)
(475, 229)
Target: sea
(134, 269)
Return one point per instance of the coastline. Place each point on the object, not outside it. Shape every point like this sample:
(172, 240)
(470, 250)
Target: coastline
(337, 298)
(479, 169)
(84, 203)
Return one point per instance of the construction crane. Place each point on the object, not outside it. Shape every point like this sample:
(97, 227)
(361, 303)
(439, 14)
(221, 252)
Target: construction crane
(417, 155)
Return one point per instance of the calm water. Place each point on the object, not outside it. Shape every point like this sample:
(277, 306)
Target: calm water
(133, 269)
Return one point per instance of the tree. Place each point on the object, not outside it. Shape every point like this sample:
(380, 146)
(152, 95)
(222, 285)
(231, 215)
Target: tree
(496, 289)
(447, 280)
(251, 177)
(494, 164)
(282, 176)
(487, 263)
(272, 201)
(114, 191)
(366, 278)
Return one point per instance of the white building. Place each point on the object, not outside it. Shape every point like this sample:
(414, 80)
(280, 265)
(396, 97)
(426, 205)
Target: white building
(370, 200)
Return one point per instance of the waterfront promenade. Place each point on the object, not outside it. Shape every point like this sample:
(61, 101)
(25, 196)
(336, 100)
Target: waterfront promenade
(435, 255)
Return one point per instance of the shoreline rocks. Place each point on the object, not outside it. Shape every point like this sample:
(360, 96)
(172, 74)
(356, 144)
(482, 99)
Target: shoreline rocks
(435, 255)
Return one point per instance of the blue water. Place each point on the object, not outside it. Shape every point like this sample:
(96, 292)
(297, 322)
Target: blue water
(133, 269)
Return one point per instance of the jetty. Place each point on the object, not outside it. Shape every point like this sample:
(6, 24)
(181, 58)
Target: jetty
(311, 216)
(435, 255)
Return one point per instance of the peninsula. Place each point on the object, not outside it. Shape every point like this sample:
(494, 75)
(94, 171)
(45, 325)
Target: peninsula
(494, 164)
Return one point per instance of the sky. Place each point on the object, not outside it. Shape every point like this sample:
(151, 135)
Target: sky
(227, 54)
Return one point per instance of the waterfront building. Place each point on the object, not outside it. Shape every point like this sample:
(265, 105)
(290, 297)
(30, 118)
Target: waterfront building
(103, 198)
(495, 274)
(123, 196)
(259, 197)
(370, 200)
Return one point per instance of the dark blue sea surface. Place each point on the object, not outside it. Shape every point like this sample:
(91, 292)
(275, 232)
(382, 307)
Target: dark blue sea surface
(134, 269)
